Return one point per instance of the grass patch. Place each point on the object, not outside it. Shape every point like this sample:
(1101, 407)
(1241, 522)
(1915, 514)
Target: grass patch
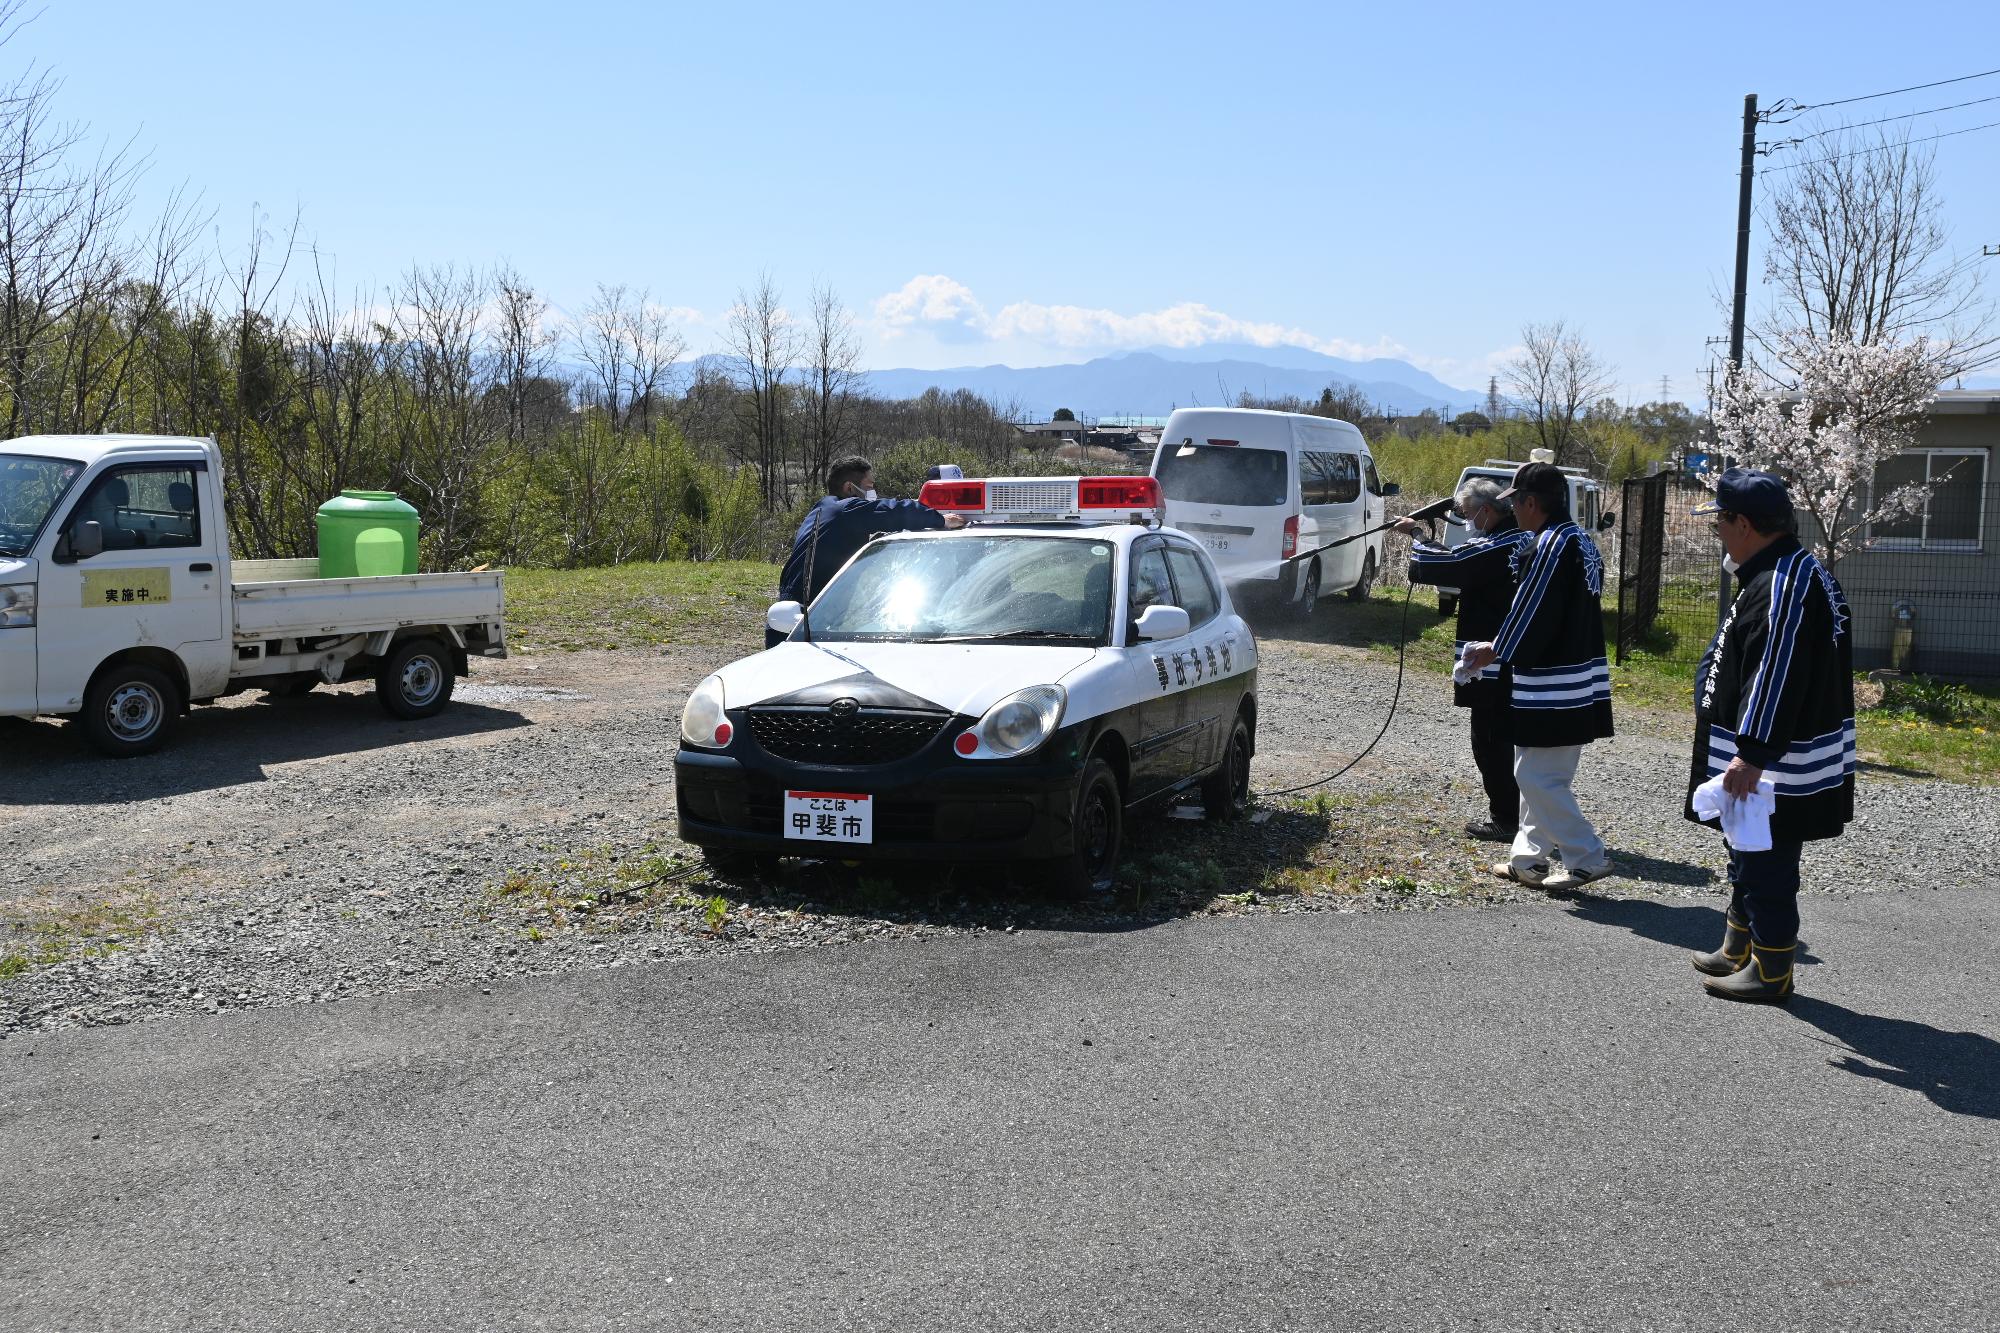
(637, 606)
(598, 889)
(42, 932)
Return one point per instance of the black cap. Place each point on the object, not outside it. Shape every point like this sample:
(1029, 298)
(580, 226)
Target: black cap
(1538, 479)
(1750, 493)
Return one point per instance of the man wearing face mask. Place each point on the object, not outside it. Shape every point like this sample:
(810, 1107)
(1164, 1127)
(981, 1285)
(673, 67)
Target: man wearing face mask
(1774, 727)
(1482, 569)
(843, 521)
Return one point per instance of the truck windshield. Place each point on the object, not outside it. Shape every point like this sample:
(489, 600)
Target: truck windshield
(1222, 475)
(30, 488)
(982, 589)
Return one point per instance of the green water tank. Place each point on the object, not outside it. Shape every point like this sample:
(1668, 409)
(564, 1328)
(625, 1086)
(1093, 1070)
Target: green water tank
(364, 534)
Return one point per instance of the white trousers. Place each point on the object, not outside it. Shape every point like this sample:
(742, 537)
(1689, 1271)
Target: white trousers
(1550, 818)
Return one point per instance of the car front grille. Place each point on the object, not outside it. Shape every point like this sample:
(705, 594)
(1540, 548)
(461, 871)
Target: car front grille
(815, 735)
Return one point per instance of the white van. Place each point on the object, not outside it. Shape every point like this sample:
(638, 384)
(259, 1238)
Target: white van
(1271, 495)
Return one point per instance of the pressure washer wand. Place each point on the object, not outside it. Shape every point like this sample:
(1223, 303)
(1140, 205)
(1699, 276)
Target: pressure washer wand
(1435, 509)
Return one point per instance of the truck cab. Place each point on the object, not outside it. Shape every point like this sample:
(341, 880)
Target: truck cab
(118, 600)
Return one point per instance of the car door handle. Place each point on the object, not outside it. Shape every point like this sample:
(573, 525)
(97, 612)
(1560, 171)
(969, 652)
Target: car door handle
(202, 568)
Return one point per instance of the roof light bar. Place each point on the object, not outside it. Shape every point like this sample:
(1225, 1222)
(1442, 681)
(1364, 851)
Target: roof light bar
(954, 496)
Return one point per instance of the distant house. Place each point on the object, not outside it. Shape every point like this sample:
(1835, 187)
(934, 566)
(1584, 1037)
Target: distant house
(1942, 565)
(1049, 434)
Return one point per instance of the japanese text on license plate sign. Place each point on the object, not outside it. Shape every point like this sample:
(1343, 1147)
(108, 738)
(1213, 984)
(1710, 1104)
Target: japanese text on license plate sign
(829, 816)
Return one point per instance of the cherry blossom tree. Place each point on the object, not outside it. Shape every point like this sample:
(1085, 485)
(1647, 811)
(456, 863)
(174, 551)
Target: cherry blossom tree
(1852, 406)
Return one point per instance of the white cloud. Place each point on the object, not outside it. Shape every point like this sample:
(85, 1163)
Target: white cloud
(947, 309)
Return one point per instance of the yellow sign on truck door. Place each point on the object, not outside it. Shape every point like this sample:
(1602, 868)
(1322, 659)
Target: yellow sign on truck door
(127, 587)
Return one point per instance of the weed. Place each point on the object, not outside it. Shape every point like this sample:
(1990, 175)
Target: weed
(715, 913)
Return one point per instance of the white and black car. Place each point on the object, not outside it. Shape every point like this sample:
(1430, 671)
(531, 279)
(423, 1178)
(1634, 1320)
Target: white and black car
(1008, 692)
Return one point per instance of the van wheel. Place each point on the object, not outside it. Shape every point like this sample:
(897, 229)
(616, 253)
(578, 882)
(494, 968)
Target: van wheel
(1309, 595)
(129, 710)
(1225, 793)
(416, 680)
(1091, 869)
(1359, 592)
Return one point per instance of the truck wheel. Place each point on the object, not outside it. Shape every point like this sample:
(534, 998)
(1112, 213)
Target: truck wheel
(416, 679)
(1359, 592)
(129, 710)
(1308, 595)
(1225, 793)
(1092, 867)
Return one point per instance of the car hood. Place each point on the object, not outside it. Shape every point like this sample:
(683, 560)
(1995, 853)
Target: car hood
(963, 678)
(13, 570)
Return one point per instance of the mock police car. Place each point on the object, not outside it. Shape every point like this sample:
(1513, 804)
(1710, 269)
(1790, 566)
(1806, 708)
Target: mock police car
(1009, 691)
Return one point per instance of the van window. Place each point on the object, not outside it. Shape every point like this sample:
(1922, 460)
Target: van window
(1313, 480)
(1222, 475)
(1343, 478)
(1374, 479)
(1197, 594)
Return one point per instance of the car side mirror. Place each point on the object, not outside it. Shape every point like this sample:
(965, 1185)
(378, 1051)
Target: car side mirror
(784, 617)
(1391, 488)
(1606, 519)
(86, 540)
(1162, 622)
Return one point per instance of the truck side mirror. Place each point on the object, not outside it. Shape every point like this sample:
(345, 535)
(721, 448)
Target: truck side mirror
(84, 542)
(783, 617)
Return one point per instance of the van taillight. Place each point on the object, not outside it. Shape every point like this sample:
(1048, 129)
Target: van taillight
(1291, 546)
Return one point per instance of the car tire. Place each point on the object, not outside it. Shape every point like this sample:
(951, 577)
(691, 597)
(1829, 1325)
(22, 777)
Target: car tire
(1359, 592)
(1225, 793)
(1091, 868)
(129, 710)
(1447, 603)
(416, 680)
(1302, 609)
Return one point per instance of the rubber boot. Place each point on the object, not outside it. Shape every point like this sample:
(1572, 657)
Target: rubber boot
(1735, 950)
(1765, 979)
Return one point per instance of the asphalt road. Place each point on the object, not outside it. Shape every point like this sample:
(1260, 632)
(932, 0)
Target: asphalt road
(1518, 1117)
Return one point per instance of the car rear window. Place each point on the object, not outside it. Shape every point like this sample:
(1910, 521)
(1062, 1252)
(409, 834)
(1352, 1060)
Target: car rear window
(1221, 475)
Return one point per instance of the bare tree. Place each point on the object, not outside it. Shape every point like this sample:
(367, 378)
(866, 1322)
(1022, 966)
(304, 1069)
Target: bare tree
(833, 358)
(1556, 378)
(446, 421)
(1859, 253)
(764, 345)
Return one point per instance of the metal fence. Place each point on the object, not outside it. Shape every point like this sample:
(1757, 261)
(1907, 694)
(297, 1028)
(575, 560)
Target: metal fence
(1923, 591)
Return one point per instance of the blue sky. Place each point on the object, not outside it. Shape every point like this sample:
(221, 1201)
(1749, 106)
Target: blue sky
(1032, 183)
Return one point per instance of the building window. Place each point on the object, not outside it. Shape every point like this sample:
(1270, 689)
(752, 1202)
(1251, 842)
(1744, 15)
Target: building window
(1952, 516)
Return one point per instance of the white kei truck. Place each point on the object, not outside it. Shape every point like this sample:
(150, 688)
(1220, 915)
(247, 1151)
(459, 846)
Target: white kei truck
(120, 606)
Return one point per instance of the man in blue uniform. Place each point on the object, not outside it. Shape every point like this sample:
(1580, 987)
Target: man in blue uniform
(1558, 681)
(1774, 703)
(843, 521)
(1482, 569)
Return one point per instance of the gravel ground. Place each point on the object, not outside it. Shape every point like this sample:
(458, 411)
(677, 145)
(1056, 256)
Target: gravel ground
(285, 852)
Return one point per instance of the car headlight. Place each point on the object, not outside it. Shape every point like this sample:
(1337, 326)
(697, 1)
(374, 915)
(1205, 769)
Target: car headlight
(703, 722)
(17, 606)
(1017, 724)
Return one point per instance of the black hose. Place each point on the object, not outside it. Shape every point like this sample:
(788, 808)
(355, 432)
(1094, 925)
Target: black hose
(1402, 647)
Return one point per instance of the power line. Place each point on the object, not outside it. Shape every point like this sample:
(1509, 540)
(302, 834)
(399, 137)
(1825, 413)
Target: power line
(1915, 87)
(1883, 148)
(1862, 125)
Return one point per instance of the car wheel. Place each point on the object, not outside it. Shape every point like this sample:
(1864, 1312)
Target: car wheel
(1092, 867)
(415, 680)
(1225, 793)
(1359, 592)
(130, 710)
(1308, 595)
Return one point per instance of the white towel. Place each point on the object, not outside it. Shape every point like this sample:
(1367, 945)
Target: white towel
(1461, 674)
(1746, 820)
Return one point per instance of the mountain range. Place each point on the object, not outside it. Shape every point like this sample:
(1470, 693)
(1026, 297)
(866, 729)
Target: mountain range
(1155, 380)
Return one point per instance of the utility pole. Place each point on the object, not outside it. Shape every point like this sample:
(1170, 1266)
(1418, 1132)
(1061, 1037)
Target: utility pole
(1722, 597)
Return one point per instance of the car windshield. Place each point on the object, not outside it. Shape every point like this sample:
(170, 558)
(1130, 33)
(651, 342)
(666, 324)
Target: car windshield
(971, 589)
(30, 487)
(1222, 475)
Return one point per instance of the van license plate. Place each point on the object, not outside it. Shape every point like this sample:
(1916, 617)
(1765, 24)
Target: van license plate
(1216, 543)
(829, 816)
